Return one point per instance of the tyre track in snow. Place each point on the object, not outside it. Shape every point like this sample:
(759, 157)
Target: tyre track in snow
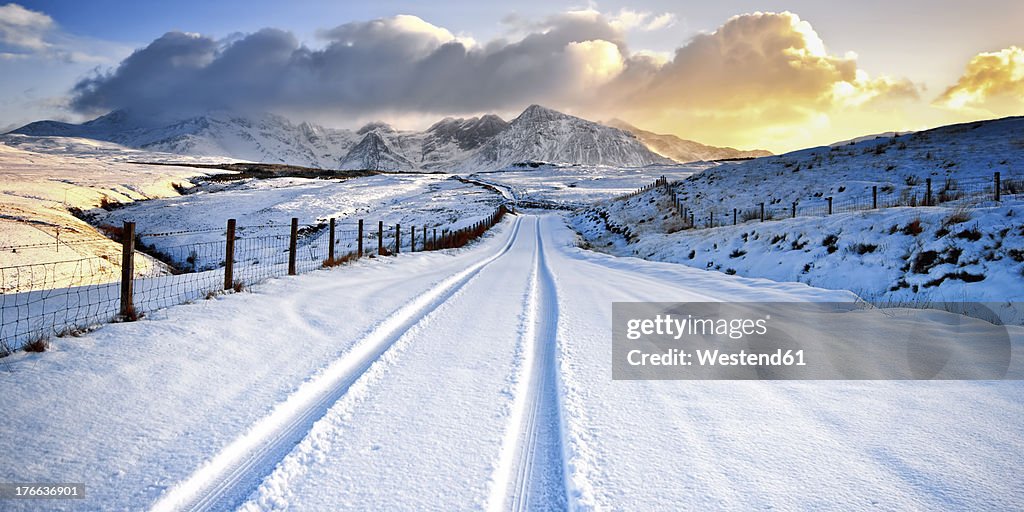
(531, 472)
(224, 481)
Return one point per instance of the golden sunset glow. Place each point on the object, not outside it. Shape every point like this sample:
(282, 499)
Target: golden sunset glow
(723, 76)
(768, 80)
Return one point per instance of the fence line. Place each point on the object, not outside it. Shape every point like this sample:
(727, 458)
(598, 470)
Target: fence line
(660, 182)
(916, 192)
(67, 297)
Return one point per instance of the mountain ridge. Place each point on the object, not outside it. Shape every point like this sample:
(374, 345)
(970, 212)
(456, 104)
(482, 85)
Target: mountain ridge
(486, 142)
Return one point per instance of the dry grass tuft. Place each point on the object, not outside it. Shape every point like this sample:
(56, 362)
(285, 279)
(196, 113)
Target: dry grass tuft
(914, 228)
(38, 344)
(959, 216)
(348, 258)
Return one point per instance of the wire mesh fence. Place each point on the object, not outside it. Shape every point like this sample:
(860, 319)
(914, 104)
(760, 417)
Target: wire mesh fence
(64, 297)
(259, 258)
(697, 213)
(55, 297)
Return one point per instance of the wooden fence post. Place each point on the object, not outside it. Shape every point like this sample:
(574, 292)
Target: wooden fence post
(830, 205)
(874, 197)
(997, 185)
(734, 216)
(398, 238)
(412, 239)
(293, 243)
(794, 209)
(330, 241)
(711, 219)
(359, 240)
(380, 238)
(762, 212)
(128, 271)
(928, 192)
(229, 256)
(424, 237)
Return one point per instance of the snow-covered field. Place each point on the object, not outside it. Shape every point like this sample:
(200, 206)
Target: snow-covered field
(400, 403)
(578, 185)
(266, 207)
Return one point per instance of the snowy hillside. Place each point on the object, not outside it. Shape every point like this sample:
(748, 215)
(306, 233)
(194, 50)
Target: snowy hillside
(265, 207)
(260, 138)
(478, 143)
(39, 191)
(682, 150)
(964, 153)
(970, 249)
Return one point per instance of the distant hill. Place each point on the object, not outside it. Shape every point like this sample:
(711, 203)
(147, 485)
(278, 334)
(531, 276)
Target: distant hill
(965, 154)
(682, 150)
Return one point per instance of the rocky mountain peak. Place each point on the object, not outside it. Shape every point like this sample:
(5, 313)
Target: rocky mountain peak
(378, 126)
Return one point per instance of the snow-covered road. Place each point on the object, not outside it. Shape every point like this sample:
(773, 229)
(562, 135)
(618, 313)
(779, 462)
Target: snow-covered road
(480, 379)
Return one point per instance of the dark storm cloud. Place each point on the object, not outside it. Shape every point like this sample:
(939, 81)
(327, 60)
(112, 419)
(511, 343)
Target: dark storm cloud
(400, 63)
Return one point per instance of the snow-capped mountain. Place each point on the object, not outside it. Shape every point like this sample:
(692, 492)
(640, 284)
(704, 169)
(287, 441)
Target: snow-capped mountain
(474, 144)
(542, 134)
(451, 138)
(682, 150)
(376, 152)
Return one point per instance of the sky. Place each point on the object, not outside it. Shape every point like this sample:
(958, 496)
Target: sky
(773, 75)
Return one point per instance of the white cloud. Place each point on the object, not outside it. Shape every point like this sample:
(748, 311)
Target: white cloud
(664, 20)
(28, 34)
(599, 61)
(628, 19)
(23, 29)
(993, 83)
(770, 61)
